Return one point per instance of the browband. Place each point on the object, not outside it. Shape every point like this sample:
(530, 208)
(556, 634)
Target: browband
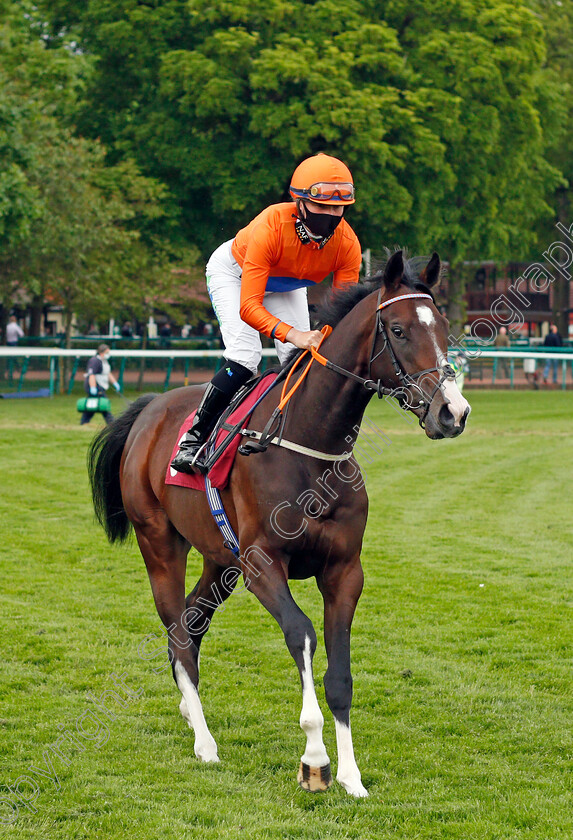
(405, 297)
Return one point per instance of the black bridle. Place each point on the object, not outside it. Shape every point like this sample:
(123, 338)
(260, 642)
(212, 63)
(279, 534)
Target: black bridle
(409, 393)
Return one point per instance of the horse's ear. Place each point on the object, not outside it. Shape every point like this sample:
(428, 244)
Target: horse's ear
(431, 274)
(394, 271)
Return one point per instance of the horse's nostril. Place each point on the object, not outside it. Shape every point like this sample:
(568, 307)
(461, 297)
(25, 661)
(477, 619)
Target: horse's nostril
(446, 417)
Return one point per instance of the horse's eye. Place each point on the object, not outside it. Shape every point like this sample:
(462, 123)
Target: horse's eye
(398, 332)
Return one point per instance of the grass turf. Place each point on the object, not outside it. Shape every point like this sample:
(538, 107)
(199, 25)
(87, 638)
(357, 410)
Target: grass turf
(461, 650)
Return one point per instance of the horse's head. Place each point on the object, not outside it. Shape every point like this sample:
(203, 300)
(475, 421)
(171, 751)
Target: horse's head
(409, 355)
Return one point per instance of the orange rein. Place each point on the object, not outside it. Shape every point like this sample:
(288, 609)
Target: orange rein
(285, 397)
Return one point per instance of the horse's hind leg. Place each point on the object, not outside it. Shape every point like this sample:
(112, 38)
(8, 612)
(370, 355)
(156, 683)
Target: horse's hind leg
(214, 587)
(165, 555)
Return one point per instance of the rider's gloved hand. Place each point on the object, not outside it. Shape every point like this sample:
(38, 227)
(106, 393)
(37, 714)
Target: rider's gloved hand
(304, 340)
(93, 392)
(117, 387)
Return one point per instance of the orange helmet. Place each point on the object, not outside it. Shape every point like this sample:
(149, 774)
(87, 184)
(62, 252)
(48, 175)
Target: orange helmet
(323, 179)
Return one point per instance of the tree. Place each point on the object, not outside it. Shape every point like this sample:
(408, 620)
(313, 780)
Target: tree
(19, 201)
(556, 18)
(153, 281)
(438, 108)
(485, 60)
(71, 225)
(233, 96)
(35, 86)
(87, 245)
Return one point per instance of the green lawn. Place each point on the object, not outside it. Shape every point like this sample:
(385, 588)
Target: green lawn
(461, 658)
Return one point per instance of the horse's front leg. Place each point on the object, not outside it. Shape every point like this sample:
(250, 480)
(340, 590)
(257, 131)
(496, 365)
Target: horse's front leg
(341, 586)
(314, 772)
(267, 580)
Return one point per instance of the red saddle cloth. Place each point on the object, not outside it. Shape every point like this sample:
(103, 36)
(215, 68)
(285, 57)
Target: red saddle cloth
(219, 472)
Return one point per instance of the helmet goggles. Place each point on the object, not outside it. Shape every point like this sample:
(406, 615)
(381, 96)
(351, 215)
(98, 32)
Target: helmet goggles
(326, 191)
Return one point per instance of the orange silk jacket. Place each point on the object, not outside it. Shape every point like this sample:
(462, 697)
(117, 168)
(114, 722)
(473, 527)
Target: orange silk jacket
(273, 259)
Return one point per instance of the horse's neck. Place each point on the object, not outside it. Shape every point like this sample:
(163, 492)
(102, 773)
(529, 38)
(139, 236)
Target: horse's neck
(330, 407)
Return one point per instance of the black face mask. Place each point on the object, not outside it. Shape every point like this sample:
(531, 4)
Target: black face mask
(321, 224)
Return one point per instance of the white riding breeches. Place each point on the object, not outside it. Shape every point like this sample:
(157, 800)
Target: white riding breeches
(242, 342)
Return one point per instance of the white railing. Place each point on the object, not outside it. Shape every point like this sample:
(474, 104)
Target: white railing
(52, 354)
(48, 352)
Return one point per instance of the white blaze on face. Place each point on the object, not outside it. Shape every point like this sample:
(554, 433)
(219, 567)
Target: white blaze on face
(425, 315)
(458, 405)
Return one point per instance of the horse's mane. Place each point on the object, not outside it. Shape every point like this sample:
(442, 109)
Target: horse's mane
(339, 302)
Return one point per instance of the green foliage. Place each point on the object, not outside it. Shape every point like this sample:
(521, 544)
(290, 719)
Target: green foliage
(438, 108)
(452, 115)
(72, 227)
(557, 20)
(50, 77)
(556, 17)
(18, 198)
(484, 60)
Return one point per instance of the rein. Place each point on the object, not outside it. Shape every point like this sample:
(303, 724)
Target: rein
(275, 425)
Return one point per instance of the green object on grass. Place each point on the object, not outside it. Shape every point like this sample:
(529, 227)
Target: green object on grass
(93, 404)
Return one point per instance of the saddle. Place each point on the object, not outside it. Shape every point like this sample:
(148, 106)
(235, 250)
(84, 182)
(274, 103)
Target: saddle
(225, 439)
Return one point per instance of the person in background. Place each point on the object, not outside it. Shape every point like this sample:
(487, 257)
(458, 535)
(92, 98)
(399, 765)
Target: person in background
(502, 341)
(185, 330)
(165, 336)
(552, 339)
(258, 281)
(14, 332)
(126, 330)
(97, 378)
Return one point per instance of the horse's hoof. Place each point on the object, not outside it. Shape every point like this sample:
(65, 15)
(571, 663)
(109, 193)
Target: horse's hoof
(207, 753)
(354, 788)
(314, 779)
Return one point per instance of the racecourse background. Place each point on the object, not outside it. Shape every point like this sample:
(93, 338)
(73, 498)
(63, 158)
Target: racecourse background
(22, 369)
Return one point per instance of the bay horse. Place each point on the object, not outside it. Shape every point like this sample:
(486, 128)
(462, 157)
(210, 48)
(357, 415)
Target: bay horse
(297, 514)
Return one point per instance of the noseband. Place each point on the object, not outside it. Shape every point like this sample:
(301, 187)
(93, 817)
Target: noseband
(416, 400)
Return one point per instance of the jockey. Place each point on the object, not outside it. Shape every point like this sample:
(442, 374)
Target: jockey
(258, 282)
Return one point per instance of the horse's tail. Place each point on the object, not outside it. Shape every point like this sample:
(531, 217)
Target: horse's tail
(104, 456)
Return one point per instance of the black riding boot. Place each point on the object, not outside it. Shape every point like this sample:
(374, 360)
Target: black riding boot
(220, 391)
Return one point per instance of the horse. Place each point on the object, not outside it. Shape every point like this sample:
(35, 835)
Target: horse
(295, 517)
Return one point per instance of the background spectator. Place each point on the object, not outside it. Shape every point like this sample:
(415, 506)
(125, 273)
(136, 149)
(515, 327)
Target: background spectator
(14, 332)
(502, 341)
(165, 335)
(97, 378)
(552, 339)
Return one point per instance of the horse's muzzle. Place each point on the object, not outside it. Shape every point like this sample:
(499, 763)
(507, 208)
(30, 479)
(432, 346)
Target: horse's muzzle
(445, 426)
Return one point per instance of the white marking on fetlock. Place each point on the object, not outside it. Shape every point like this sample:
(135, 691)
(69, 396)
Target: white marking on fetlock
(311, 719)
(192, 710)
(348, 773)
(185, 711)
